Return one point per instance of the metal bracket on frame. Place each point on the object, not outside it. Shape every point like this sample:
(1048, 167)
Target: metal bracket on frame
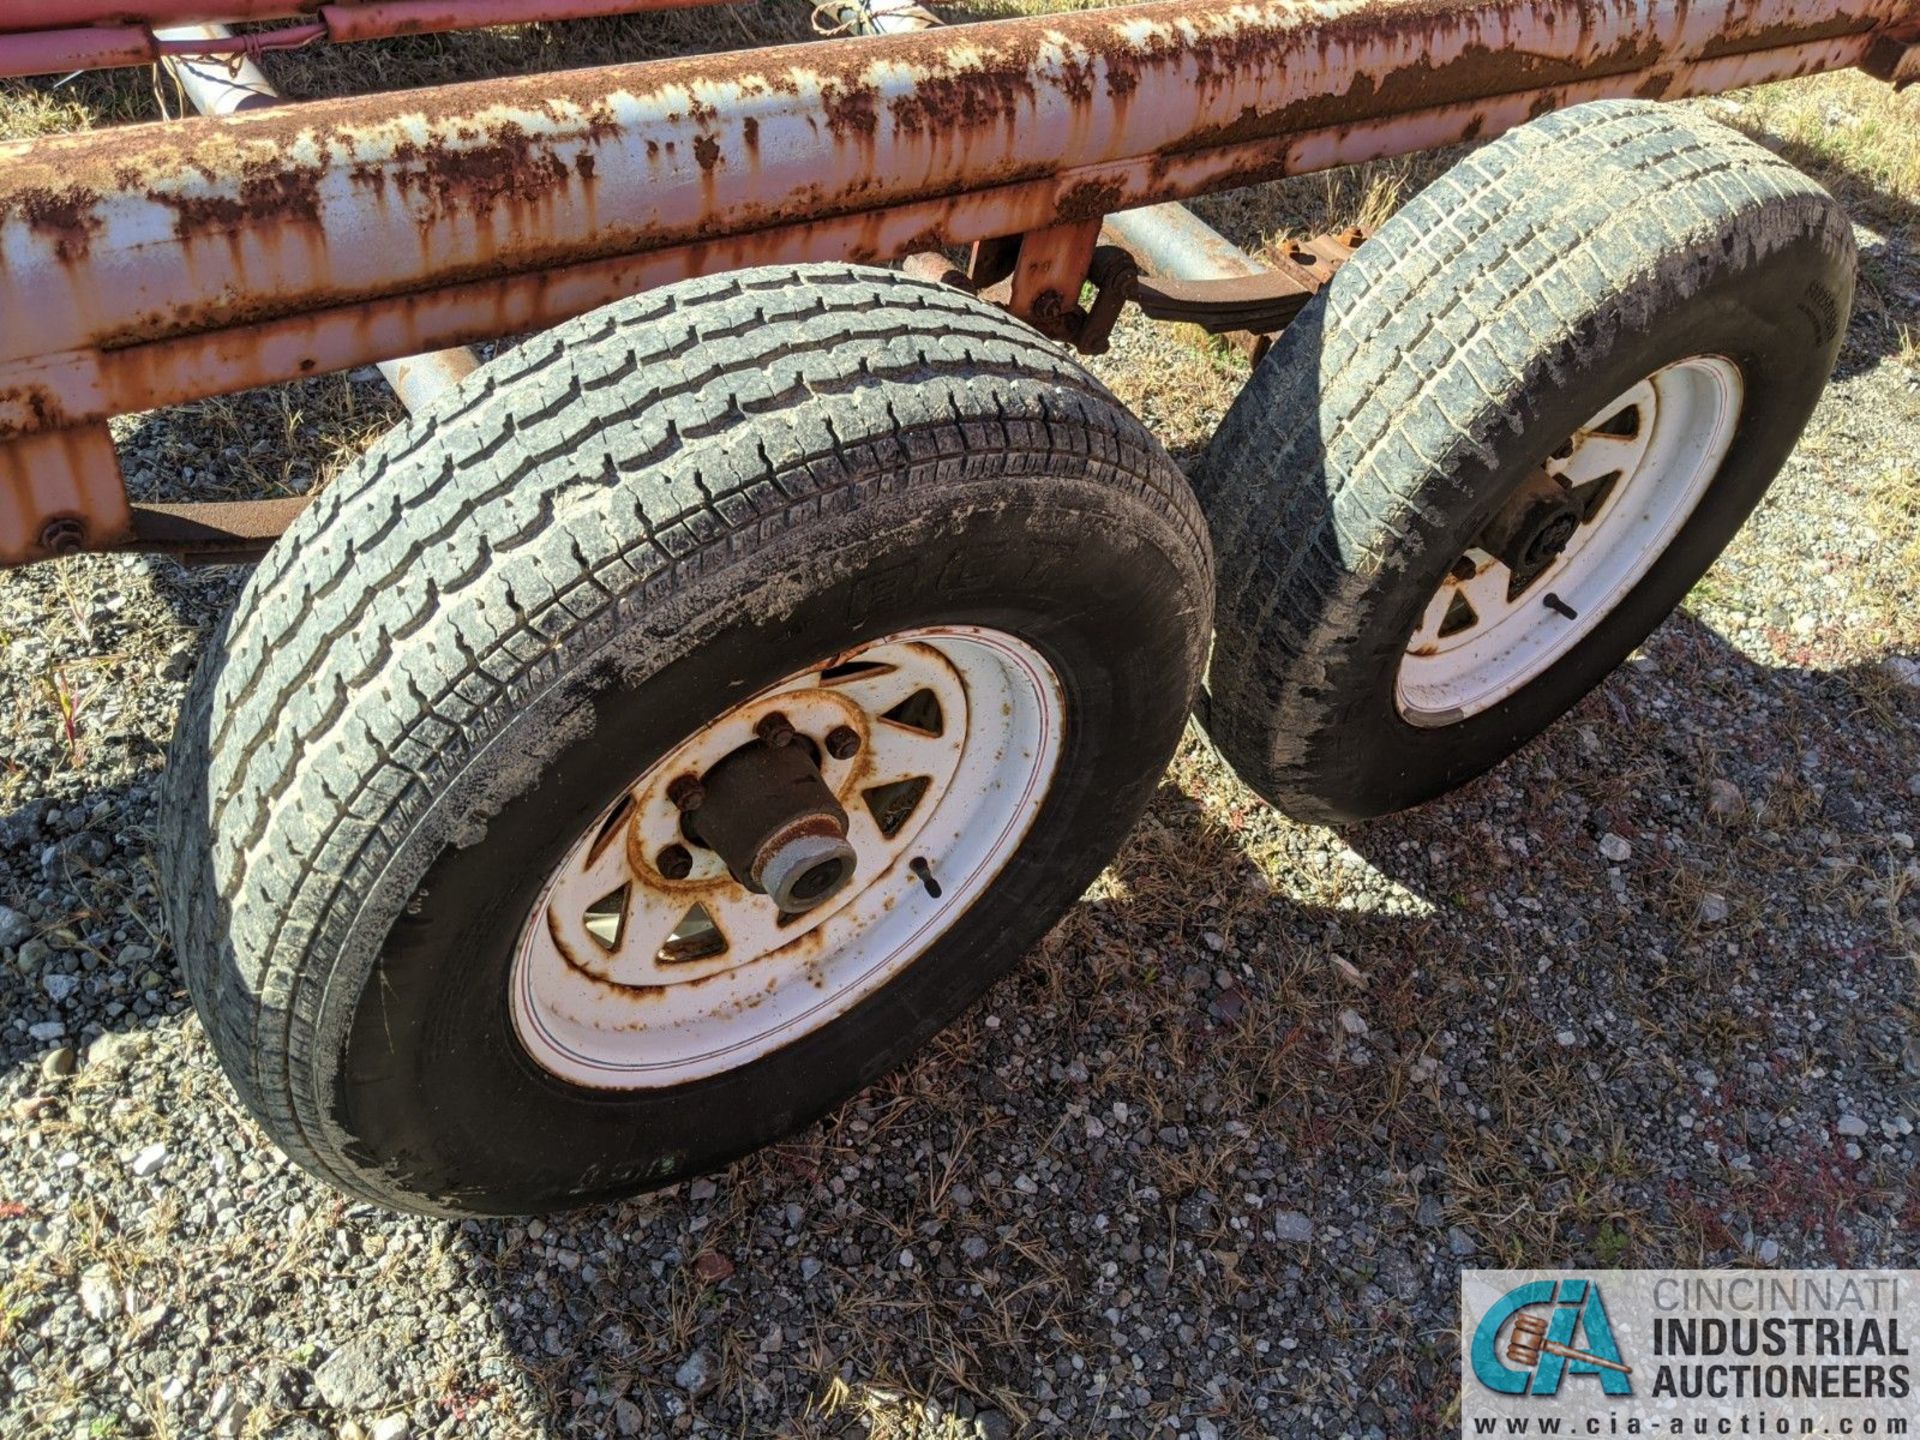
(1895, 61)
(1256, 306)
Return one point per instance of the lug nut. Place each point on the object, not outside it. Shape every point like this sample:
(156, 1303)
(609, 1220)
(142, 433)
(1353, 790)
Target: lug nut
(63, 536)
(675, 862)
(843, 742)
(687, 793)
(775, 729)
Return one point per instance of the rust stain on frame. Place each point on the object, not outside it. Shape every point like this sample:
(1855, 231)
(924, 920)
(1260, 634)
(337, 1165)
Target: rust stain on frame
(144, 264)
(59, 492)
(165, 230)
(41, 391)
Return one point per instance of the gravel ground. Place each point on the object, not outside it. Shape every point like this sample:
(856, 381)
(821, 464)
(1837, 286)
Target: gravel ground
(1206, 1165)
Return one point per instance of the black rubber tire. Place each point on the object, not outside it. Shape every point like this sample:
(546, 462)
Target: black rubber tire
(1487, 321)
(562, 569)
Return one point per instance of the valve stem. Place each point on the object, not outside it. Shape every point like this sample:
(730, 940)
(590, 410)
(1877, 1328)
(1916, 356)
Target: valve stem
(920, 868)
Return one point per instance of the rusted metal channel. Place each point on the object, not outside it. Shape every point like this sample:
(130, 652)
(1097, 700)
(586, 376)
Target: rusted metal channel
(151, 265)
(441, 215)
(225, 87)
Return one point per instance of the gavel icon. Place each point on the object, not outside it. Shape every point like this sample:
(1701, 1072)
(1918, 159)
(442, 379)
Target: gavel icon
(1529, 1342)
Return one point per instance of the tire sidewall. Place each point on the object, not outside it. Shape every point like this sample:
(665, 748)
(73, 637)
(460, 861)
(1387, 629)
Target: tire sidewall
(1782, 306)
(432, 1088)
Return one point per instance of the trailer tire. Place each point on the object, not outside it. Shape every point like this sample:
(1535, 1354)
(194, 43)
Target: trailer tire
(437, 691)
(1622, 273)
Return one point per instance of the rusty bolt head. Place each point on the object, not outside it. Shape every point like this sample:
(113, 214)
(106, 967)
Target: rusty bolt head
(63, 536)
(775, 729)
(687, 792)
(675, 862)
(843, 742)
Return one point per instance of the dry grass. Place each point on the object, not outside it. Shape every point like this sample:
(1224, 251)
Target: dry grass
(1208, 859)
(281, 441)
(1854, 132)
(1862, 141)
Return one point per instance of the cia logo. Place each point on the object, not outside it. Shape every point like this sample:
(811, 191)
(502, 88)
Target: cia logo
(1552, 1329)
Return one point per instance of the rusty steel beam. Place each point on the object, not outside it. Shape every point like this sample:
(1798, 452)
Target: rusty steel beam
(227, 87)
(58, 14)
(211, 532)
(516, 190)
(147, 266)
(436, 218)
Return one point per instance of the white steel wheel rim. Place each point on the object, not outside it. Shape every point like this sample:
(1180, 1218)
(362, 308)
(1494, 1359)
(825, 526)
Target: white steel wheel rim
(603, 995)
(1665, 439)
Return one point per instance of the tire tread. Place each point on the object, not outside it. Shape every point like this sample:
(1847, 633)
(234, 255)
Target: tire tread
(1401, 373)
(421, 596)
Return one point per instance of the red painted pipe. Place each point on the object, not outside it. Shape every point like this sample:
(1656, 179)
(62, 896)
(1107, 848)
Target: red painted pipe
(119, 47)
(381, 19)
(25, 50)
(61, 52)
(283, 37)
(63, 14)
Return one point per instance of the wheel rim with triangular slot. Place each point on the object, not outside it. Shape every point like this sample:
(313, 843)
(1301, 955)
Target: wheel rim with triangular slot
(639, 969)
(1636, 472)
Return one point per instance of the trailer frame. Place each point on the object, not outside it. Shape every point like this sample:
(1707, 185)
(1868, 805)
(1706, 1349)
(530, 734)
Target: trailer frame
(158, 264)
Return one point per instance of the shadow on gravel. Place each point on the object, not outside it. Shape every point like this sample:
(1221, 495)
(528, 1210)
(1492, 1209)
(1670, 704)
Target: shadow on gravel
(81, 924)
(1643, 996)
(1220, 1146)
(1889, 293)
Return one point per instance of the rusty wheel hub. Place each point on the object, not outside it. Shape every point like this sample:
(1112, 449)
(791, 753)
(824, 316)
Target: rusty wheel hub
(1533, 529)
(786, 861)
(1571, 543)
(776, 824)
